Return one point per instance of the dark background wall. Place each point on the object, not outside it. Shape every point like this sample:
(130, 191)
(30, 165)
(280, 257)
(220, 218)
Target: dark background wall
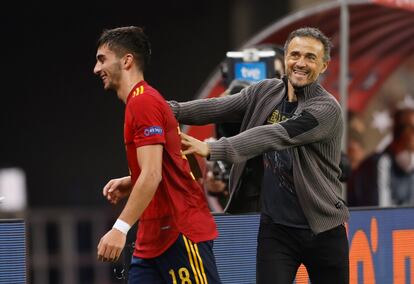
(58, 124)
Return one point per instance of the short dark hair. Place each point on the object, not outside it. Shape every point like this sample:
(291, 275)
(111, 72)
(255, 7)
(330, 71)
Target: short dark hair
(130, 39)
(312, 33)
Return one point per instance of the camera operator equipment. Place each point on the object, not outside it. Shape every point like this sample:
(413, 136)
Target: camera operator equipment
(240, 70)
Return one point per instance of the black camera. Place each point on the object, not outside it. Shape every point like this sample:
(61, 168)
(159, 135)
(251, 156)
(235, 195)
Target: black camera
(221, 171)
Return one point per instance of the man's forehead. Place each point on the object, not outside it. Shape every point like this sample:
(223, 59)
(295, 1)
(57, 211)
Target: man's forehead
(305, 42)
(103, 50)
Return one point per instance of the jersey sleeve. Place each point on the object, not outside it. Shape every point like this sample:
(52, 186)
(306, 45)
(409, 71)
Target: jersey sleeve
(148, 121)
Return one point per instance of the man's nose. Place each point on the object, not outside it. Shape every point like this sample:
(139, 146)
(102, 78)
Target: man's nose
(301, 61)
(96, 69)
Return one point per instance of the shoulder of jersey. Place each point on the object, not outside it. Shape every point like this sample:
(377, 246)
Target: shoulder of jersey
(138, 91)
(144, 89)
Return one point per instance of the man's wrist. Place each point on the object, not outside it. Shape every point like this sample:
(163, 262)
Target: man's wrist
(208, 150)
(121, 226)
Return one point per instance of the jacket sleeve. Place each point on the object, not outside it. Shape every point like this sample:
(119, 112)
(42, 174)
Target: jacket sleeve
(318, 122)
(230, 108)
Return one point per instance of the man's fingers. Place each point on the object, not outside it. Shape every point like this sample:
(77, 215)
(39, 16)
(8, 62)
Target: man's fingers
(114, 254)
(194, 146)
(107, 253)
(185, 136)
(107, 188)
(102, 251)
(111, 245)
(188, 151)
(185, 142)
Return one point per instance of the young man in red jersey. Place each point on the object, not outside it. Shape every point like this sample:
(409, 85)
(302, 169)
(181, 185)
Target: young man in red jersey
(176, 230)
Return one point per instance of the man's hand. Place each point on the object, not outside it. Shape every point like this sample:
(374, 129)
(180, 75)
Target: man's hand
(194, 145)
(111, 245)
(117, 189)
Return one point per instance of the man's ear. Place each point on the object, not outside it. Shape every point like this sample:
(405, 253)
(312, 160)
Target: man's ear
(325, 65)
(128, 60)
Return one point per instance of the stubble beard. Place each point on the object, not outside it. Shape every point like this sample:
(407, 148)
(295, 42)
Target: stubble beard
(299, 84)
(295, 84)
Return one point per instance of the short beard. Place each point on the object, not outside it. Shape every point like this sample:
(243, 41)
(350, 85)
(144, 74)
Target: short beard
(110, 87)
(296, 86)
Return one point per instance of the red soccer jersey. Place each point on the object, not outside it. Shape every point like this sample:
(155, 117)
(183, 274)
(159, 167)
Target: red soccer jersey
(179, 204)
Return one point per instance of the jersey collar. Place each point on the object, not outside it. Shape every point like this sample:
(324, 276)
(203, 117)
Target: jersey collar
(137, 90)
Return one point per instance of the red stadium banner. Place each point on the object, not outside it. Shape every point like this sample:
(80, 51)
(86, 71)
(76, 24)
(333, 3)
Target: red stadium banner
(403, 4)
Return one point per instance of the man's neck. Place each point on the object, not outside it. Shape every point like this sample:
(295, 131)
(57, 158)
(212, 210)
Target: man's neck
(126, 85)
(291, 93)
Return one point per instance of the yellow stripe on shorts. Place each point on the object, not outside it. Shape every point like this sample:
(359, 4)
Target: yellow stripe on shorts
(194, 261)
(201, 264)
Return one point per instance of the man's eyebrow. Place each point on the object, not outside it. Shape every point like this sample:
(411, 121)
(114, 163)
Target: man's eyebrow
(307, 54)
(310, 54)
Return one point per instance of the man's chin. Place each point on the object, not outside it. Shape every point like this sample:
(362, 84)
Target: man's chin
(296, 84)
(107, 87)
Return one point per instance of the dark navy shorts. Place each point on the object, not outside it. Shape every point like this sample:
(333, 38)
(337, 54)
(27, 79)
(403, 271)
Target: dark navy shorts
(184, 262)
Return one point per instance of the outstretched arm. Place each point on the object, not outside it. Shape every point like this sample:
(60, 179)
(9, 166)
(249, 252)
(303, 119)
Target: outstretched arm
(305, 128)
(212, 110)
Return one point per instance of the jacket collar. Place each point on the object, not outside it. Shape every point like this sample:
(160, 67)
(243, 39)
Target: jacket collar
(306, 92)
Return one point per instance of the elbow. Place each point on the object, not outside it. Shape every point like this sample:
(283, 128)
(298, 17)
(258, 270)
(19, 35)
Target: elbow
(159, 178)
(150, 178)
(155, 176)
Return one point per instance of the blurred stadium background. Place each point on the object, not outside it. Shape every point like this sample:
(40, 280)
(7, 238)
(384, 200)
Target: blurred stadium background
(61, 134)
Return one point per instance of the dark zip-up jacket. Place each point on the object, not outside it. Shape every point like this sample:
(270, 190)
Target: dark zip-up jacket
(314, 133)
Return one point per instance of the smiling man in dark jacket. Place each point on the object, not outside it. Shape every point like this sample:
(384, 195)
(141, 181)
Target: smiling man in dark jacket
(290, 143)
